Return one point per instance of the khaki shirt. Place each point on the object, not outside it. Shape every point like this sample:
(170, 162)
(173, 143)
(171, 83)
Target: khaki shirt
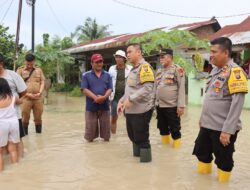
(140, 94)
(170, 87)
(221, 110)
(34, 82)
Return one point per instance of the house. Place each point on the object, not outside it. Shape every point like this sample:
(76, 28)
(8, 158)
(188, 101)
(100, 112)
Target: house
(240, 36)
(108, 45)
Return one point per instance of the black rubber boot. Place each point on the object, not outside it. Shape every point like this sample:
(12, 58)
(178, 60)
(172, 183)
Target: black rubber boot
(25, 128)
(38, 128)
(145, 155)
(136, 150)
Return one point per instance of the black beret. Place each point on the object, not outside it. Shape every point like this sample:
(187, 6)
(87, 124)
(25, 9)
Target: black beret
(166, 51)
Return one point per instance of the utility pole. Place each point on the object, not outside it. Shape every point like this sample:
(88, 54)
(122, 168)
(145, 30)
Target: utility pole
(18, 32)
(32, 4)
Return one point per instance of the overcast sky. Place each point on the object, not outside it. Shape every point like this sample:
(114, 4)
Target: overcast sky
(66, 15)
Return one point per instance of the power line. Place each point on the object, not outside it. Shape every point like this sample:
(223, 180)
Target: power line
(175, 15)
(56, 18)
(6, 12)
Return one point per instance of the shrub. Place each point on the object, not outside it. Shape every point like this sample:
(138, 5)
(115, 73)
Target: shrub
(62, 87)
(76, 92)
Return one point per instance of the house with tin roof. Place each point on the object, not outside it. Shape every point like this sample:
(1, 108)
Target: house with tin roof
(108, 45)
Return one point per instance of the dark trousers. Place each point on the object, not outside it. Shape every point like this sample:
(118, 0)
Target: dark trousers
(138, 128)
(169, 122)
(21, 129)
(95, 122)
(208, 143)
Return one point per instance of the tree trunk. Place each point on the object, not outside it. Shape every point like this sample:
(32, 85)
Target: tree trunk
(60, 75)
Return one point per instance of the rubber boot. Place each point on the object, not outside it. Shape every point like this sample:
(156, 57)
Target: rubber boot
(136, 150)
(177, 143)
(165, 139)
(204, 168)
(38, 128)
(145, 155)
(223, 176)
(25, 128)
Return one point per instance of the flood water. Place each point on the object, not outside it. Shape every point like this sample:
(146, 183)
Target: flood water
(61, 159)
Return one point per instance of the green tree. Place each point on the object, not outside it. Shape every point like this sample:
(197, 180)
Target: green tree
(174, 39)
(7, 46)
(91, 30)
(51, 58)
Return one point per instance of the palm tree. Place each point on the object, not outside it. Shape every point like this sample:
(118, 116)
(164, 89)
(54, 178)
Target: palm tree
(91, 30)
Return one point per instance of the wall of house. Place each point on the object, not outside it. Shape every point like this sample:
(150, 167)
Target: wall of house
(204, 32)
(196, 92)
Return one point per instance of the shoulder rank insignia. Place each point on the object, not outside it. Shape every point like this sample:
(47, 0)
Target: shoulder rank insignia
(146, 74)
(237, 81)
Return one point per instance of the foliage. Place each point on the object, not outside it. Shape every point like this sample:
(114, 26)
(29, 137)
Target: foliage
(199, 62)
(62, 87)
(91, 30)
(76, 92)
(50, 56)
(7, 46)
(175, 39)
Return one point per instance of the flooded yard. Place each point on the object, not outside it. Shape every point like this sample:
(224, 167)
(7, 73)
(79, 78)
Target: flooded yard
(60, 159)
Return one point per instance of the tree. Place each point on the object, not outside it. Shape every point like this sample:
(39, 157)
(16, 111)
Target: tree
(91, 30)
(51, 58)
(174, 39)
(7, 46)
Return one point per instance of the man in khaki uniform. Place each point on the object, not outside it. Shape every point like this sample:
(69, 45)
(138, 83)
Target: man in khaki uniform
(34, 79)
(138, 102)
(170, 98)
(220, 117)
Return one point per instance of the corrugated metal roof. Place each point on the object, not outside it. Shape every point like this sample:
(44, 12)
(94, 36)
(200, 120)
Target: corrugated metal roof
(238, 33)
(240, 38)
(121, 40)
(103, 43)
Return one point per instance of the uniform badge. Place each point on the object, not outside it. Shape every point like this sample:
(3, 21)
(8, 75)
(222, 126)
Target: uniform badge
(237, 74)
(217, 84)
(217, 90)
(169, 81)
(146, 74)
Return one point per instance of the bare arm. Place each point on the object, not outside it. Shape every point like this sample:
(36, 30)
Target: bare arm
(89, 94)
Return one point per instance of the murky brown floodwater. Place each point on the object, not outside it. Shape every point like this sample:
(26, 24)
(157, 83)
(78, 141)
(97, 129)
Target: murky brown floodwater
(60, 159)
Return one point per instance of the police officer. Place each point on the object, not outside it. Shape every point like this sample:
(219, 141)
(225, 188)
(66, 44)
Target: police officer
(220, 117)
(34, 79)
(138, 102)
(170, 98)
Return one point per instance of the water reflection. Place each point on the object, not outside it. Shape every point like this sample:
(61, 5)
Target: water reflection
(60, 159)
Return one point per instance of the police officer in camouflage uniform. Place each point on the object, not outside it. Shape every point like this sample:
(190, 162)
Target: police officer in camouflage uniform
(170, 98)
(138, 102)
(34, 79)
(220, 117)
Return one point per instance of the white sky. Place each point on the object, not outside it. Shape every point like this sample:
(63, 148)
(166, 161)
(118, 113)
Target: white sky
(123, 19)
